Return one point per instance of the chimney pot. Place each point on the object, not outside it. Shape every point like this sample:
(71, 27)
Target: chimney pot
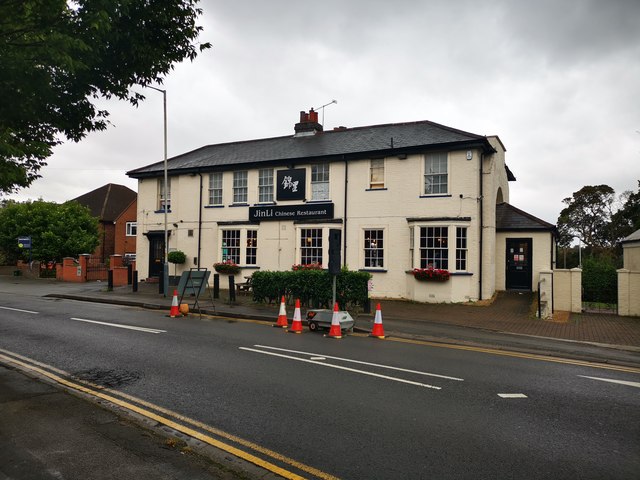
(308, 124)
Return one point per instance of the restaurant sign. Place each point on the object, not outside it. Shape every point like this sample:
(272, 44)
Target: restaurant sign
(309, 211)
(291, 184)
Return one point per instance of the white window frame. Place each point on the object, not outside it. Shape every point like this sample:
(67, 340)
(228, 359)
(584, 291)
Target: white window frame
(215, 188)
(240, 187)
(161, 200)
(320, 181)
(231, 243)
(436, 174)
(246, 239)
(376, 167)
(265, 185)
(430, 251)
(373, 248)
(250, 246)
(309, 240)
(462, 249)
(131, 229)
(454, 254)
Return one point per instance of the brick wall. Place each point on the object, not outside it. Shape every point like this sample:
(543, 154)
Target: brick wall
(122, 243)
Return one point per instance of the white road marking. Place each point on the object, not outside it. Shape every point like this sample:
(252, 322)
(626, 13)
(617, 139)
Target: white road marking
(610, 380)
(318, 358)
(18, 310)
(298, 359)
(128, 327)
(364, 363)
(512, 395)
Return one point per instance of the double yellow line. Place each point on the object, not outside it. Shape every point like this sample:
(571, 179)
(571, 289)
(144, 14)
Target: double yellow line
(30, 365)
(527, 356)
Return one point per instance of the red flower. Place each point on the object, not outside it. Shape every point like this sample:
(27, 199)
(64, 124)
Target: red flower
(431, 274)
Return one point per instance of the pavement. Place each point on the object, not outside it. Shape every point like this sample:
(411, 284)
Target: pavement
(48, 433)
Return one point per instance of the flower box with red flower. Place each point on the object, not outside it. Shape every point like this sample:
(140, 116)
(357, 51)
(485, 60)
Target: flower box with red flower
(431, 274)
(228, 267)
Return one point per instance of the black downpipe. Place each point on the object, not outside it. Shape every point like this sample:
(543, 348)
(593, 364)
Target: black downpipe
(199, 221)
(553, 264)
(481, 228)
(344, 228)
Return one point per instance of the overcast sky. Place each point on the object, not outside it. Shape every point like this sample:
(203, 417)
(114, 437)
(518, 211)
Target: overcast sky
(557, 81)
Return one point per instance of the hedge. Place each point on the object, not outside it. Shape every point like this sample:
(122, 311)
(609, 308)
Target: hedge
(312, 287)
(599, 280)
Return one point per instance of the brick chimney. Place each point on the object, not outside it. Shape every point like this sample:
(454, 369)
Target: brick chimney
(308, 124)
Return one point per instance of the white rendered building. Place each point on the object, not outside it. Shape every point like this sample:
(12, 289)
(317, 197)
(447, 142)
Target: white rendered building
(405, 196)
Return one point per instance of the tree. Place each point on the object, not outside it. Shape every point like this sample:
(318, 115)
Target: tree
(627, 219)
(59, 56)
(56, 230)
(587, 216)
(176, 257)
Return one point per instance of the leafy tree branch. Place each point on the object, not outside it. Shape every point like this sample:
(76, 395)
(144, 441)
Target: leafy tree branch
(58, 57)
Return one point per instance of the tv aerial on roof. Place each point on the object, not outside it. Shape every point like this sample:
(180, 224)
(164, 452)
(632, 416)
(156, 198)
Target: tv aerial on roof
(325, 105)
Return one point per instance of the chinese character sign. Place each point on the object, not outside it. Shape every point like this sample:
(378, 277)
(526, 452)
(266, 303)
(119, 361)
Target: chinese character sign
(291, 184)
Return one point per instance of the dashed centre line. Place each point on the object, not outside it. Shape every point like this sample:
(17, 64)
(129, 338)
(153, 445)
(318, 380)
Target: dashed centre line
(512, 395)
(117, 325)
(317, 356)
(611, 380)
(339, 367)
(19, 310)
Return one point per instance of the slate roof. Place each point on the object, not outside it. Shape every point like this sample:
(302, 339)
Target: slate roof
(634, 237)
(333, 145)
(510, 218)
(108, 201)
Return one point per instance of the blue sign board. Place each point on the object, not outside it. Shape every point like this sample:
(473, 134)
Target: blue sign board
(24, 242)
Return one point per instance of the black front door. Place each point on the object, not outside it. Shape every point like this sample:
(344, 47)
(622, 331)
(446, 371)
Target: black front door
(156, 255)
(519, 253)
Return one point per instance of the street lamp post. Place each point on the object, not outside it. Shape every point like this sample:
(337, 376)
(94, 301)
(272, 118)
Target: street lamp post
(165, 189)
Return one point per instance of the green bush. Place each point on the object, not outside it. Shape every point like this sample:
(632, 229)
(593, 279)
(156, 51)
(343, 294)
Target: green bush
(599, 280)
(312, 287)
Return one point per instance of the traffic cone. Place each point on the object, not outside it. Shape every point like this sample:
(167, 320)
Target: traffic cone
(378, 329)
(334, 331)
(282, 316)
(296, 326)
(175, 309)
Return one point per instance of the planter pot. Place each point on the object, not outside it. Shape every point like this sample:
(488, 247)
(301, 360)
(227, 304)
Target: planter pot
(228, 272)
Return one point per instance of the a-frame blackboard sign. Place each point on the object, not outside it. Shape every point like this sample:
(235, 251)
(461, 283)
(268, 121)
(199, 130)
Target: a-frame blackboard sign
(194, 283)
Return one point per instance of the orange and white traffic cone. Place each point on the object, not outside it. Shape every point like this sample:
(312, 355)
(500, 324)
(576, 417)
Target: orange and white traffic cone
(282, 316)
(334, 331)
(296, 326)
(175, 309)
(378, 329)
